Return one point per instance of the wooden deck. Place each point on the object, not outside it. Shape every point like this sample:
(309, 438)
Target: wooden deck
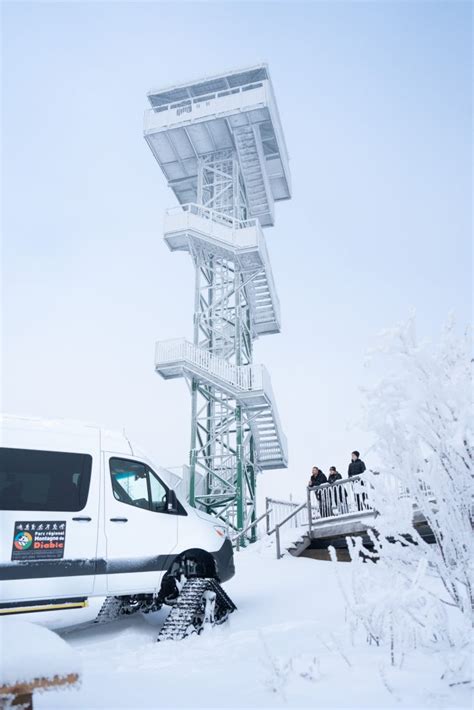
(334, 531)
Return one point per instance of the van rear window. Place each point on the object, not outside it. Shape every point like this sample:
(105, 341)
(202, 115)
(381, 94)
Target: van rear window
(43, 480)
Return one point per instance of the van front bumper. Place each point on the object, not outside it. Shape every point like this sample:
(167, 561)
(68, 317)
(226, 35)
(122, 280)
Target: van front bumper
(224, 559)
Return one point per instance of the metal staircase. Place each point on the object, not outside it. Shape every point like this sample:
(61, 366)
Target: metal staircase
(249, 385)
(250, 152)
(204, 232)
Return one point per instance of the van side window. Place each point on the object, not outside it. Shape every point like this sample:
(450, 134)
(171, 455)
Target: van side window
(134, 483)
(44, 480)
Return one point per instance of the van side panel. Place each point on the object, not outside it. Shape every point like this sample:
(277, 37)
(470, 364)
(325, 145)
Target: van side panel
(49, 553)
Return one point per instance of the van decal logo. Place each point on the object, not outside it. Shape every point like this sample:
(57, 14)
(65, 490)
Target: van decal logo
(39, 540)
(23, 540)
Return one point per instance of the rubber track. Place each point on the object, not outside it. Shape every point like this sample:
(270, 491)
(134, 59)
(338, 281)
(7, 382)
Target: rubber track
(179, 622)
(111, 609)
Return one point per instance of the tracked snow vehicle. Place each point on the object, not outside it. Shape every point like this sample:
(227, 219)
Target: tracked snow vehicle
(91, 531)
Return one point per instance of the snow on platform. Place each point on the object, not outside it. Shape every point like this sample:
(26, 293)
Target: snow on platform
(287, 645)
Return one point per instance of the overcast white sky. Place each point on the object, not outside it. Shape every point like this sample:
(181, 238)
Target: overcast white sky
(375, 101)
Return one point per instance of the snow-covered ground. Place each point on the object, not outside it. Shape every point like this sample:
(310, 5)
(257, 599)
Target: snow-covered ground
(287, 645)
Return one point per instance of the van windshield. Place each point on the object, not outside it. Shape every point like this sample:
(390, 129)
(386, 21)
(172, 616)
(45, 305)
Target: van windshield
(43, 480)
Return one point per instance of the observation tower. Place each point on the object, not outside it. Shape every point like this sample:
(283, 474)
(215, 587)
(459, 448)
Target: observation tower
(220, 145)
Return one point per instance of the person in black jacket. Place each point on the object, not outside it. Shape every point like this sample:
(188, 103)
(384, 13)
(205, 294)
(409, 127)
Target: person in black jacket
(317, 479)
(356, 466)
(336, 494)
(334, 475)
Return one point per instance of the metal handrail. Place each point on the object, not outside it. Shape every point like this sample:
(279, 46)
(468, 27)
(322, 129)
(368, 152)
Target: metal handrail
(247, 378)
(214, 215)
(237, 537)
(278, 526)
(309, 507)
(341, 481)
(360, 505)
(297, 509)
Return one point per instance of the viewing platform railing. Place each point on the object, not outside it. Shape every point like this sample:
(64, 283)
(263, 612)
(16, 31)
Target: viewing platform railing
(345, 497)
(216, 218)
(240, 233)
(243, 377)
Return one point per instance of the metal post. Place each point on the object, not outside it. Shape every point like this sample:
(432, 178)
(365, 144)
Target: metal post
(192, 478)
(240, 472)
(192, 453)
(267, 515)
(194, 395)
(310, 512)
(277, 536)
(252, 481)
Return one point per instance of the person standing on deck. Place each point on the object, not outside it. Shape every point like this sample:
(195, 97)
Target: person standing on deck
(317, 479)
(334, 475)
(336, 493)
(356, 468)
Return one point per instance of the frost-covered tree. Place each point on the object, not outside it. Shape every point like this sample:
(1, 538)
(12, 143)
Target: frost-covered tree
(419, 411)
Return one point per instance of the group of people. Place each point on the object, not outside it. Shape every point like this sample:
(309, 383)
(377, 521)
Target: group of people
(355, 468)
(337, 500)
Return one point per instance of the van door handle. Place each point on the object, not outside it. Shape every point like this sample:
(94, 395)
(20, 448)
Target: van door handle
(119, 520)
(83, 520)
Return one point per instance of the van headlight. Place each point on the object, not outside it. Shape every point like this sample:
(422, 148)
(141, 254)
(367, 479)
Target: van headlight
(220, 530)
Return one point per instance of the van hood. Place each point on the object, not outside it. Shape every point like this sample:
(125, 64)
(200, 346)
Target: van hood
(211, 519)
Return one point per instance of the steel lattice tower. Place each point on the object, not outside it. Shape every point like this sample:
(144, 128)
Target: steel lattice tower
(220, 145)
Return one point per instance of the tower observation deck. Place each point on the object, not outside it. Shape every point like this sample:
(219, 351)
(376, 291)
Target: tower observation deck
(220, 145)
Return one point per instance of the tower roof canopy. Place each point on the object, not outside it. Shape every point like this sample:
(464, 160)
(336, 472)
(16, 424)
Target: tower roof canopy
(230, 80)
(234, 110)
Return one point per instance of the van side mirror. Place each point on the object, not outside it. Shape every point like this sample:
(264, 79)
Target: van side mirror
(171, 502)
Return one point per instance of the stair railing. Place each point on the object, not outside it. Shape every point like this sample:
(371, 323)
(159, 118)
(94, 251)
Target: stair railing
(279, 525)
(281, 509)
(332, 500)
(237, 537)
(348, 495)
(214, 216)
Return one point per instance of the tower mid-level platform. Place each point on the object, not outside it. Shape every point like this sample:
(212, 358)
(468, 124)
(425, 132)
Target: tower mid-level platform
(231, 111)
(249, 385)
(203, 233)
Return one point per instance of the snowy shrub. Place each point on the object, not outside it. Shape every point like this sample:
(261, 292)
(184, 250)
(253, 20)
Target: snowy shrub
(419, 411)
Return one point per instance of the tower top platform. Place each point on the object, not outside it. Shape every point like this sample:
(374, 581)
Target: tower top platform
(236, 111)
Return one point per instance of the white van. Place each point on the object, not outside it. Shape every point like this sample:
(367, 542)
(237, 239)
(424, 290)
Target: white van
(88, 528)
